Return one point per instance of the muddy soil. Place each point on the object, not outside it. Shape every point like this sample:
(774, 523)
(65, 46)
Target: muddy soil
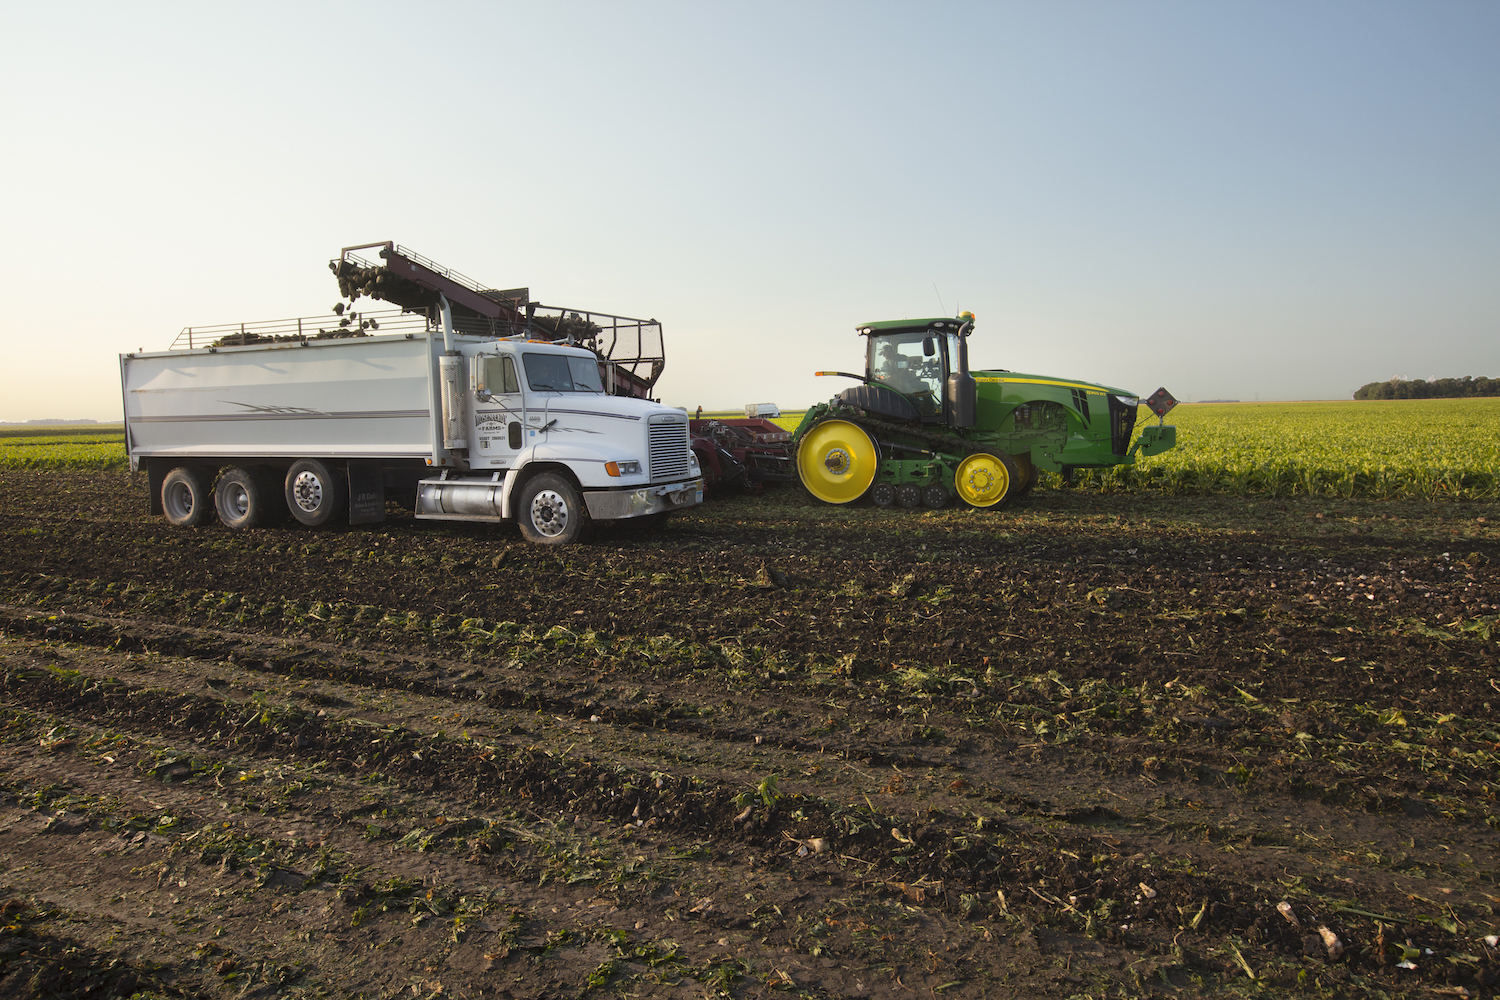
(1089, 746)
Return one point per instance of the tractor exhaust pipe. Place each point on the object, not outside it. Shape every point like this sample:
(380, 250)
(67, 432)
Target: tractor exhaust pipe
(960, 392)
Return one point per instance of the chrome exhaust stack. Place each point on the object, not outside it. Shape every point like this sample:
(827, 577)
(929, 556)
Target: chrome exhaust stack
(451, 373)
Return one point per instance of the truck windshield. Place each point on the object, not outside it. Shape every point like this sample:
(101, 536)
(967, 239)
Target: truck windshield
(562, 373)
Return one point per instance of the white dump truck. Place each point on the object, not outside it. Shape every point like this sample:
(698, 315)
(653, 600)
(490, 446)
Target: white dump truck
(256, 421)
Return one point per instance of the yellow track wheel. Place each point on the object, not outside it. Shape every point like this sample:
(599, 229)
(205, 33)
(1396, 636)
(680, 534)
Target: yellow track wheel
(836, 461)
(985, 480)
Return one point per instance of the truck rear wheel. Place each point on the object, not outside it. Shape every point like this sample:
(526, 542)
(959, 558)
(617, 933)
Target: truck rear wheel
(836, 461)
(315, 493)
(551, 511)
(185, 497)
(985, 479)
(245, 498)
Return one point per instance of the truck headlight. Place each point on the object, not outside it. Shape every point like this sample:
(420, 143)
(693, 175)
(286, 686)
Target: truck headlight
(1130, 400)
(693, 461)
(623, 468)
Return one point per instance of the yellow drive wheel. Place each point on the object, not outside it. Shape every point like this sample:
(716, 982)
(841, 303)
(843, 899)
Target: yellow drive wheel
(987, 480)
(836, 461)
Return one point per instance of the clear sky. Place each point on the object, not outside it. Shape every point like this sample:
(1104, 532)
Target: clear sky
(1283, 199)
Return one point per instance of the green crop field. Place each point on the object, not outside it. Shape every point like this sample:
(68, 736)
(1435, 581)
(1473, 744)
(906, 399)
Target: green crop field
(1415, 448)
(1418, 448)
(67, 446)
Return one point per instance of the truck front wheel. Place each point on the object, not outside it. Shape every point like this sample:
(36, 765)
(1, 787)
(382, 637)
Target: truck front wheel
(185, 497)
(245, 499)
(551, 511)
(315, 493)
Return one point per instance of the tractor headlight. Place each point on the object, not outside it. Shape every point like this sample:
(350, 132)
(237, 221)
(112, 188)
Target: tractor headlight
(623, 468)
(1130, 400)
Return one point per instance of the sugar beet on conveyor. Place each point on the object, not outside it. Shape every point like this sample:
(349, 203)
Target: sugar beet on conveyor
(413, 282)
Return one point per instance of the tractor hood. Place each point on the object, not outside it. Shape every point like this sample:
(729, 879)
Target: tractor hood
(1023, 378)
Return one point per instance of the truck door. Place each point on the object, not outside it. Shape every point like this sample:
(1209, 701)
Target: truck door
(499, 412)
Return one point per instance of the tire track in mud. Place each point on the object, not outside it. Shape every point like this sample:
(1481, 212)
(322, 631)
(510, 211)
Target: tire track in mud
(966, 874)
(533, 788)
(1047, 795)
(588, 696)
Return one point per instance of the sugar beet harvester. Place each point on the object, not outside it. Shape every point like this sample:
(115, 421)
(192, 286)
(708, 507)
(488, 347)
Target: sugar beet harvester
(922, 428)
(467, 404)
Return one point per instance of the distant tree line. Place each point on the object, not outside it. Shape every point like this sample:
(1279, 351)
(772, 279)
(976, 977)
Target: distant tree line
(1437, 388)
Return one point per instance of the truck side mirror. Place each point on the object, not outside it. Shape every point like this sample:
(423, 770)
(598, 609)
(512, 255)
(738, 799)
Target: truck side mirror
(928, 347)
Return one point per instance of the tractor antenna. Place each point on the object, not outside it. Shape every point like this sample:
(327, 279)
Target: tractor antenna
(943, 308)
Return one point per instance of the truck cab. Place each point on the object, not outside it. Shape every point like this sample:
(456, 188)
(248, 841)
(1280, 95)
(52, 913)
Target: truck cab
(547, 446)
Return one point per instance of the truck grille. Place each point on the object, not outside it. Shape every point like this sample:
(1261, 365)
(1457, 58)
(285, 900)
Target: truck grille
(669, 449)
(1121, 425)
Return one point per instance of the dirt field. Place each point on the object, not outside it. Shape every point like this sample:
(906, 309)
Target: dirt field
(1090, 747)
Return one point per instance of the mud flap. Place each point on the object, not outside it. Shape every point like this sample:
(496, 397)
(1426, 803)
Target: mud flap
(156, 472)
(366, 493)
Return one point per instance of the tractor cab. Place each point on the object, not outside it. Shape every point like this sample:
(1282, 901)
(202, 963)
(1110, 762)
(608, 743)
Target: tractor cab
(919, 370)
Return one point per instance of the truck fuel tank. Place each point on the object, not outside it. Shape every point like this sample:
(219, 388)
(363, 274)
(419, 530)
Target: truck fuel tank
(471, 500)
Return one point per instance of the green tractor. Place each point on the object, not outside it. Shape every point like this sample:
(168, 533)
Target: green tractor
(921, 428)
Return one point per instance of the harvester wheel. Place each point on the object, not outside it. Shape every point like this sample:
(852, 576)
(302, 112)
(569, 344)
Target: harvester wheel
(988, 480)
(909, 495)
(836, 461)
(882, 494)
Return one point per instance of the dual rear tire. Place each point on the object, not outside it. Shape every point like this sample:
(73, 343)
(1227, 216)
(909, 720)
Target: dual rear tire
(314, 492)
(186, 497)
(247, 498)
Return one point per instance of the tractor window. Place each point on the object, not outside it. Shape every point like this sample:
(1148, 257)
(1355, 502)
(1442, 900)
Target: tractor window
(897, 360)
(561, 373)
